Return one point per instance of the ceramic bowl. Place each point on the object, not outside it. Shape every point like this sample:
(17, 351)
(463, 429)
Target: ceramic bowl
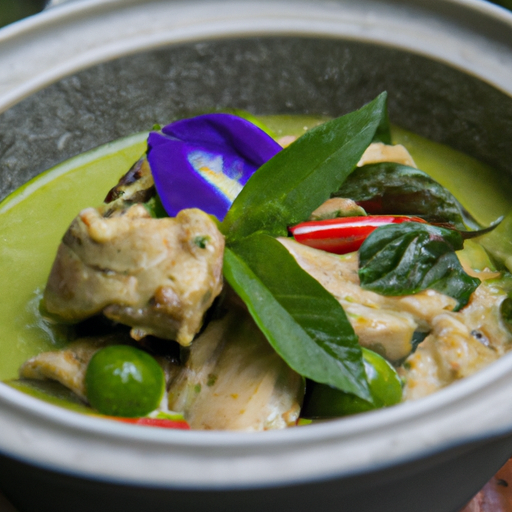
(88, 72)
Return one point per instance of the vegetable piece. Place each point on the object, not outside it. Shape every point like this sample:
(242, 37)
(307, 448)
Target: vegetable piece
(68, 366)
(407, 258)
(343, 235)
(124, 381)
(286, 189)
(204, 162)
(322, 401)
(302, 321)
(391, 188)
(155, 422)
(136, 186)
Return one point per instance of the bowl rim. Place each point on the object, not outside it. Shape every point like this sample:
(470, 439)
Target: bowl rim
(436, 29)
(31, 429)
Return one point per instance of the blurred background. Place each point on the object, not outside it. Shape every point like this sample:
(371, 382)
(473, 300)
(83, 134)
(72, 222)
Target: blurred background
(13, 10)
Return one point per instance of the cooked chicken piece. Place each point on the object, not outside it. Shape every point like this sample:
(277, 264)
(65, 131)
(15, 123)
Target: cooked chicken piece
(383, 324)
(459, 345)
(379, 152)
(68, 366)
(337, 207)
(158, 276)
(382, 330)
(234, 380)
(286, 140)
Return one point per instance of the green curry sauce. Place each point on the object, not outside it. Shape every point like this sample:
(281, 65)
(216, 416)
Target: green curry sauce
(34, 218)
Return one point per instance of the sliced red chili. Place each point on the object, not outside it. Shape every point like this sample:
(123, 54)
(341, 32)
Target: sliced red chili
(344, 234)
(154, 422)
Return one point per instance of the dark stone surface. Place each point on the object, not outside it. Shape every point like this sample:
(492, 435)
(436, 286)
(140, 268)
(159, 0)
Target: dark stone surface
(262, 75)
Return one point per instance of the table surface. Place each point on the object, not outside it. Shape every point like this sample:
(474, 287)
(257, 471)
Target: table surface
(496, 496)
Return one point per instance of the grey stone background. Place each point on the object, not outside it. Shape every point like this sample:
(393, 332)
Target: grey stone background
(261, 75)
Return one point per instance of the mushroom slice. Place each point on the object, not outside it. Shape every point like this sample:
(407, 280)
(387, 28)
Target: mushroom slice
(158, 276)
(234, 380)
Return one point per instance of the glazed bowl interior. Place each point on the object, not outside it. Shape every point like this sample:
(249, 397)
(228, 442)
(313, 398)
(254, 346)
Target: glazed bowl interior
(281, 70)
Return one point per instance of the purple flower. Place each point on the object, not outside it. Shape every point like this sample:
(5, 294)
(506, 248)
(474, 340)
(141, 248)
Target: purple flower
(204, 162)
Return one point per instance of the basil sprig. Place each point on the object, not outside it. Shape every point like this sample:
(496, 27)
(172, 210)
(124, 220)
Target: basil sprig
(302, 321)
(297, 180)
(401, 259)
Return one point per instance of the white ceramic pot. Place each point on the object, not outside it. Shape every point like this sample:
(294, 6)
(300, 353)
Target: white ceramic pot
(100, 69)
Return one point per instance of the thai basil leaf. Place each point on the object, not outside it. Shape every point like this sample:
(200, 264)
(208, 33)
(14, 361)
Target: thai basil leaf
(401, 259)
(391, 188)
(467, 235)
(297, 180)
(302, 321)
(383, 133)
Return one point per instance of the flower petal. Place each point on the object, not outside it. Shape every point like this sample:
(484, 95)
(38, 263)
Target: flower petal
(204, 162)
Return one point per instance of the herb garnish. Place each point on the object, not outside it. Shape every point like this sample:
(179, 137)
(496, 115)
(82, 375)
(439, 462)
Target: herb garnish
(401, 259)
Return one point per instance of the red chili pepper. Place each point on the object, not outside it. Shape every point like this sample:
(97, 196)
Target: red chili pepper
(343, 234)
(154, 422)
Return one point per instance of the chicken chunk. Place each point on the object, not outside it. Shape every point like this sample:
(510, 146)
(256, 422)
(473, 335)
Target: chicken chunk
(158, 276)
(383, 324)
(68, 366)
(379, 152)
(459, 345)
(234, 380)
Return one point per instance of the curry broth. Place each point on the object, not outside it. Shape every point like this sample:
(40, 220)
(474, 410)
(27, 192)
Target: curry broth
(34, 218)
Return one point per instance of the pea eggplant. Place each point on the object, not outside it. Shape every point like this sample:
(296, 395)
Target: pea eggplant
(323, 401)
